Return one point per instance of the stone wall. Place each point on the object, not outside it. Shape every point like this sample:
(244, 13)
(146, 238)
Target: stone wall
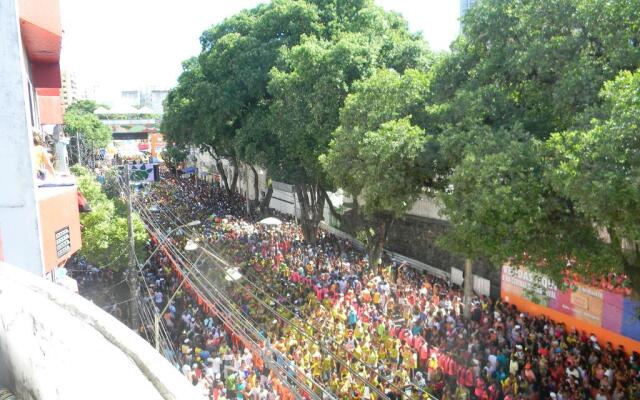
(416, 237)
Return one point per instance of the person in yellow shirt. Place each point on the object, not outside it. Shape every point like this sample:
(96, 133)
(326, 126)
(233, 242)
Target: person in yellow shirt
(316, 365)
(432, 366)
(357, 352)
(345, 386)
(334, 384)
(41, 159)
(402, 375)
(327, 366)
(382, 351)
(372, 357)
(462, 393)
(407, 357)
(394, 351)
(358, 332)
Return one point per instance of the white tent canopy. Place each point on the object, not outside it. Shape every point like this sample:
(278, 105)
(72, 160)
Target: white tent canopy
(123, 109)
(270, 221)
(146, 110)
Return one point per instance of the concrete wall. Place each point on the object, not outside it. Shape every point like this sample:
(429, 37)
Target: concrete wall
(55, 345)
(18, 211)
(417, 237)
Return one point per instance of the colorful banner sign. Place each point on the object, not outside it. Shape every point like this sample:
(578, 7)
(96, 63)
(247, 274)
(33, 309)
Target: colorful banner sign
(601, 308)
(141, 172)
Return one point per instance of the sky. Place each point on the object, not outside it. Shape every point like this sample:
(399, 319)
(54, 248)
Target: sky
(129, 44)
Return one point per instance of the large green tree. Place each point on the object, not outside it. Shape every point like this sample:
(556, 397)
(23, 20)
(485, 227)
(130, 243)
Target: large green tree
(222, 93)
(104, 229)
(599, 170)
(269, 83)
(521, 71)
(88, 127)
(374, 153)
(312, 85)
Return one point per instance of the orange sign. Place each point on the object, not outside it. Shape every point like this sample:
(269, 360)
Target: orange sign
(610, 316)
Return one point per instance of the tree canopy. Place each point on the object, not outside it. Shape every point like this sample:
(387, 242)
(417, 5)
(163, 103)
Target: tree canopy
(509, 102)
(268, 85)
(104, 229)
(83, 106)
(79, 119)
(526, 129)
(374, 153)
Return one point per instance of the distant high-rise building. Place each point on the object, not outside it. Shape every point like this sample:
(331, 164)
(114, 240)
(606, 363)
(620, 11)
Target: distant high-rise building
(152, 98)
(131, 98)
(464, 6)
(69, 91)
(157, 98)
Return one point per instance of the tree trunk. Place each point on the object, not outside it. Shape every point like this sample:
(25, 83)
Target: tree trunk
(264, 203)
(376, 241)
(219, 166)
(468, 286)
(236, 173)
(256, 188)
(223, 174)
(311, 198)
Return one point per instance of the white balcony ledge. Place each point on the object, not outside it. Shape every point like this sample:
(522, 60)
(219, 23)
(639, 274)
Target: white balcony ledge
(55, 345)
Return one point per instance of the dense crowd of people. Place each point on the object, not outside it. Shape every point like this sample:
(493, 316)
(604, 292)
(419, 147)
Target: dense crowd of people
(344, 323)
(204, 350)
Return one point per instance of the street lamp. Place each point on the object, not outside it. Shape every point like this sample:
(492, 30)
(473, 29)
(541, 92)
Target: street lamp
(190, 246)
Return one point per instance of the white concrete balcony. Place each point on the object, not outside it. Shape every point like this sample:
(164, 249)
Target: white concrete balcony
(55, 345)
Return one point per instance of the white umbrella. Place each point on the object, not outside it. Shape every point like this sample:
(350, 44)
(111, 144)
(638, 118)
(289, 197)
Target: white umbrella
(270, 221)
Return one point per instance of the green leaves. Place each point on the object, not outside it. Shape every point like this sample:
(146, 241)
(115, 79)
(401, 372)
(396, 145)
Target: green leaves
(308, 92)
(375, 152)
(174, 155)
(599, 168)
(104, 229)
(87, 125)
(533, 177)
(83, 106)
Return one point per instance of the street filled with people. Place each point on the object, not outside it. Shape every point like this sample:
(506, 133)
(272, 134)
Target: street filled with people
(359, 331)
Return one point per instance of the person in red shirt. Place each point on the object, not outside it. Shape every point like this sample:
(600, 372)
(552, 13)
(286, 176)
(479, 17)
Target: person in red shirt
(460, 375)
(452, 367)
(469, 378)
(557, 372)
(423, 355)
(479, 391)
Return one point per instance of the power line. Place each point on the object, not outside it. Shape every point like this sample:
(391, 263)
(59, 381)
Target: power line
(334, 356)
(232, 318)
(300, 330)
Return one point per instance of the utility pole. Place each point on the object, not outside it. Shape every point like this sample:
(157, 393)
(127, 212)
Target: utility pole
(132, 271)
(78, 147)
